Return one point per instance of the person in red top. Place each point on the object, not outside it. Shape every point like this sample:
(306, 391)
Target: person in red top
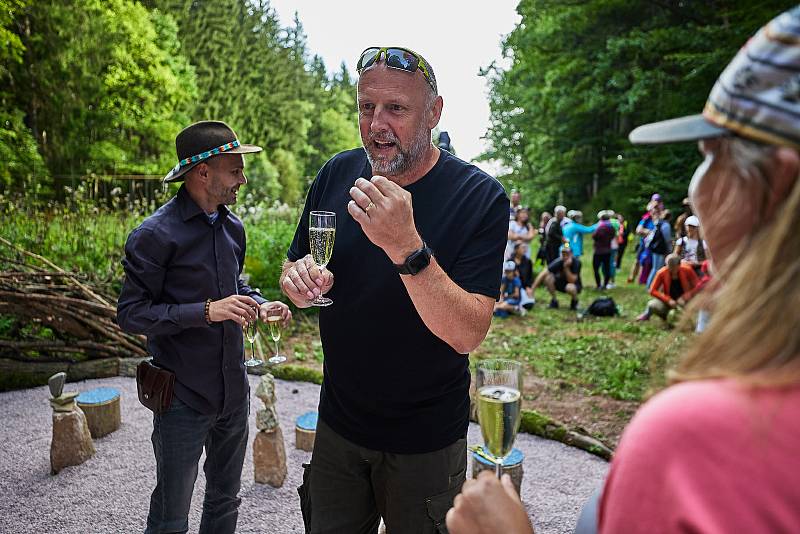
(673, 286)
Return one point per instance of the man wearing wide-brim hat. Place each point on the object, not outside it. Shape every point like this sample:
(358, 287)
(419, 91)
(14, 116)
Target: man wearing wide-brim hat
(183, 290)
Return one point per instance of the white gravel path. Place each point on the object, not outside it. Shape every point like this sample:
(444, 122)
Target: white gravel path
(111, 491)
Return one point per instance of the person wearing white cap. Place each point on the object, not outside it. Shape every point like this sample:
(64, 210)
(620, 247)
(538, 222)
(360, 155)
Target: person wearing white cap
(691, 248)
(716, 451)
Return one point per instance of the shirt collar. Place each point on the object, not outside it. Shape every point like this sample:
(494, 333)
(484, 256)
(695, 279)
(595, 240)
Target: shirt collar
(189, 208)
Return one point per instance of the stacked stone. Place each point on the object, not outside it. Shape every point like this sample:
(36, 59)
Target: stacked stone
(72, 443)
(269, 453)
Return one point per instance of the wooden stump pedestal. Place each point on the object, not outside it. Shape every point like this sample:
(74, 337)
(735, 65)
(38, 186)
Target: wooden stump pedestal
(305, 431)
(512, 465)
(101, 407)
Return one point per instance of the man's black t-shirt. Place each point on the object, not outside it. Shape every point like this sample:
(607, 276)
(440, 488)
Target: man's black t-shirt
(389, 383)
(557, 268)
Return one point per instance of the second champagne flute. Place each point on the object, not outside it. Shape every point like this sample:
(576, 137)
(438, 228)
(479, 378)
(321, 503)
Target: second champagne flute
(499, 387)
(251, 332)
(275, 323)
(321, 234)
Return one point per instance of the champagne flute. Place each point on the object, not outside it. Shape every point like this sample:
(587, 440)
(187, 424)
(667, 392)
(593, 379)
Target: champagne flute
(251, 332)
(321, 234)
(275, 323)
(499, 386)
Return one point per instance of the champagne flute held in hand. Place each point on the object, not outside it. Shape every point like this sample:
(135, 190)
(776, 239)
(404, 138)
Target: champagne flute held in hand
(275, 323)
(251, 332)
(321, 234)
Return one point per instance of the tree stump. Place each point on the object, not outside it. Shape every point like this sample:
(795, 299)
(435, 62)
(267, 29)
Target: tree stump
(512, 465)
(305, 431)
(101, 406)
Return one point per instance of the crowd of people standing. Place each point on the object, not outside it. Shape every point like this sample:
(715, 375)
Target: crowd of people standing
(669, 258)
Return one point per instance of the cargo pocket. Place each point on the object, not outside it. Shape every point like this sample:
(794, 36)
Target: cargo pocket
(305, 497)
(438, 505)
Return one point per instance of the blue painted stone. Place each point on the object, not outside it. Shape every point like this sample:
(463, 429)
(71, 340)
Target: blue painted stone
(514, 458)
(307, 421)
(98, 396)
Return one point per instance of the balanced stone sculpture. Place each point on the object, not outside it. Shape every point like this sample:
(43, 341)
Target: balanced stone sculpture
(269, 453)
(72, 443)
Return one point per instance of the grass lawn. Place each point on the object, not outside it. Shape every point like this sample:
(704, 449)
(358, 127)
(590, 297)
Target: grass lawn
(589, 374)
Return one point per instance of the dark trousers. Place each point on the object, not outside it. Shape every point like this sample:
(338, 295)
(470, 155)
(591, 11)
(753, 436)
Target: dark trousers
(604, 261)
(179, 436)
(620, 252)
(347, 489)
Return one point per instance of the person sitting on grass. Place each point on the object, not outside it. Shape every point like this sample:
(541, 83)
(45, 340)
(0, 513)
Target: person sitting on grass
(510, 288)
(672, 287)
(525, 273)
(564, 275)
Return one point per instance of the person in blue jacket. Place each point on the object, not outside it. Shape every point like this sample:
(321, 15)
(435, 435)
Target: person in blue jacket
(573, 232)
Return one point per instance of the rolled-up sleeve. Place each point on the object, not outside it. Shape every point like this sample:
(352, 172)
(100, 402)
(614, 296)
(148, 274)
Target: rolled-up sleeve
(139, 308)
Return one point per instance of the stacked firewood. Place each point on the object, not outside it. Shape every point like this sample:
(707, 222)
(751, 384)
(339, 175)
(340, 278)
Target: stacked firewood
(80, 317)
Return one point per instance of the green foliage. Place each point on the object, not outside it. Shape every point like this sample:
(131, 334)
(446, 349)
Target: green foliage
(258, 77)
(103, 85)
(269, 233)
(560, 115)
(296, 373)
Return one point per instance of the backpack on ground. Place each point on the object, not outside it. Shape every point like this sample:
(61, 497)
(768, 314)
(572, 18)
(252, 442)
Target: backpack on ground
(603, 307)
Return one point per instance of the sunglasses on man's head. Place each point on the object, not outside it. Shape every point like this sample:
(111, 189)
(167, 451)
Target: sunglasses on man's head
(396, 58)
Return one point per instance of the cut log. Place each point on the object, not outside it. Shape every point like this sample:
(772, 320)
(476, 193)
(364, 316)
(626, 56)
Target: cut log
(511, 466)
(101, 407)
(305, 431)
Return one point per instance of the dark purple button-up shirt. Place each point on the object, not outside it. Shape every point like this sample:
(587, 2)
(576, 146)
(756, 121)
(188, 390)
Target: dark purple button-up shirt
(174, 261)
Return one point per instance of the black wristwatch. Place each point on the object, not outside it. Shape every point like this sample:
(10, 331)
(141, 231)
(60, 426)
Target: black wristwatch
(416, 261)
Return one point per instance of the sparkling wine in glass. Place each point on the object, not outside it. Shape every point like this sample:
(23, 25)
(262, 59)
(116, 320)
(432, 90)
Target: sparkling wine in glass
(499, 387)
(275, 323)
(321, 234)
(251, 332)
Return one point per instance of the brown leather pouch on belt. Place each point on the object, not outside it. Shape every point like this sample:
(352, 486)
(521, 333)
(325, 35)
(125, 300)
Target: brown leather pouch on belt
(154, 386)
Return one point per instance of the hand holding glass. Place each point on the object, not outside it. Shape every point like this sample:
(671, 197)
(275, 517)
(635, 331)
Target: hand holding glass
(499, 386)
(321, 234)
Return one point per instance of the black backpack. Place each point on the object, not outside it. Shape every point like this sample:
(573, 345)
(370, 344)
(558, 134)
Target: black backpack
(659, 245)
(603, 307)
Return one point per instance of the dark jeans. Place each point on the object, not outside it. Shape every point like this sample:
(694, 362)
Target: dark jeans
(603, 260)
(347, 489)
(179, 437)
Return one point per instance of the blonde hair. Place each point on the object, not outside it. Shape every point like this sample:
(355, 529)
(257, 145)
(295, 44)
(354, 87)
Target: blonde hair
(753, 336)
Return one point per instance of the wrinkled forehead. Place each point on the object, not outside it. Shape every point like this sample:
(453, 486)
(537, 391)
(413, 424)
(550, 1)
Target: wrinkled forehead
(379, 76)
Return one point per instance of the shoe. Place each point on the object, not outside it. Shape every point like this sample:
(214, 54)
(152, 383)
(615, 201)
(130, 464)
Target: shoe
(573, 304)
(643, 317)
(554, 304)
(522, 311)
(610, 285)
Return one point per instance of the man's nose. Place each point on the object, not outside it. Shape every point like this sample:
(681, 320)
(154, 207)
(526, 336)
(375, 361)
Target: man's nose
(379, 123)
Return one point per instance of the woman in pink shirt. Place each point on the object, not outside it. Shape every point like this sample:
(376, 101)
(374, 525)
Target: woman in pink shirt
(718, 450)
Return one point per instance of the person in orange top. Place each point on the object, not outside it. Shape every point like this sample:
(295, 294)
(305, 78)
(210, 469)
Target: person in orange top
(672, 287)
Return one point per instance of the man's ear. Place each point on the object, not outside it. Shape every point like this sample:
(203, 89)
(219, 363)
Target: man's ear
(436, 112)
(782, 176)
(201, 171)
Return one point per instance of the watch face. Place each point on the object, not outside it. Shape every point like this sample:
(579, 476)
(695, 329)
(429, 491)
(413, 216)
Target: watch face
(418, 260)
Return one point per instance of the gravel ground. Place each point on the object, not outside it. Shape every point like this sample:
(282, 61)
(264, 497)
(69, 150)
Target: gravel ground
(111, 491)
